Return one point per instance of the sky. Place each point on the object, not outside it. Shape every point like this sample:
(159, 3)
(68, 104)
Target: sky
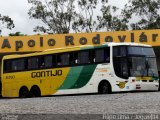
(18, 11)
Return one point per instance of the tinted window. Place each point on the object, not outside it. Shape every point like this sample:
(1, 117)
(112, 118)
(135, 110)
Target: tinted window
(33, 63)
(65, 59)
(140, 51)
(18, 64)
(48, 60)
(7, 65)
(75, 59)
(119, 51)
(107, 54)
(59, 62)
(45, 61)
(41, 62)
(14, 65)
(99, 55)
(121, 67)
(83, 57)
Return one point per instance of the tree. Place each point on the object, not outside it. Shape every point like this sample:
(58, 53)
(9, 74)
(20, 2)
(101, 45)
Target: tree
(146, 13)
(17, 34)
(109, 21)
(6, 22)
(56, 15)
(64, 16)
(106, 20)
(87, 20)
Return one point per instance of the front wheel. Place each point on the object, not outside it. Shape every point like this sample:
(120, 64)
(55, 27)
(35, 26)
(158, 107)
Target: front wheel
(104, 88)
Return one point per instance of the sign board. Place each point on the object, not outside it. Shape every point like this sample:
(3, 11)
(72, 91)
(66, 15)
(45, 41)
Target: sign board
(43, 42)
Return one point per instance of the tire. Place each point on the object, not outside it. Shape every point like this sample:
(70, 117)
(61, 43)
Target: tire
(0, 88)
(104, 88)
(24, 92)
(35, 92)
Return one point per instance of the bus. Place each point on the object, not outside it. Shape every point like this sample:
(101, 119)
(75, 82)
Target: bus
(103, 69)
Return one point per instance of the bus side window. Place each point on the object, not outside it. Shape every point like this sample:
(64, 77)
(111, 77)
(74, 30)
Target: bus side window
(33, 63)
(65, 59)
(93, 56)
(107, 55)
(48, 61)
(41, 62)
(59, 60)
(54, 60)
(75, 59)
(71, 58)
(83, 57)
(18, 64)
(7, 65)
(119, 51)
(99, 55)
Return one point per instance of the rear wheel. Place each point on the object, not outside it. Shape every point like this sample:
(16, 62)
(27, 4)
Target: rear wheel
(104, 88)
(24, 92)
(0, 88)
(35, 92)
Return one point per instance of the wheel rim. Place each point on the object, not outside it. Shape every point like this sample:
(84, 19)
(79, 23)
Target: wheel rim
(24, 93)
(104, 89)
(35, 92)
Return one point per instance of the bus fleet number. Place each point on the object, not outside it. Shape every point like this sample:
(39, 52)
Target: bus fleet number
(10, 77)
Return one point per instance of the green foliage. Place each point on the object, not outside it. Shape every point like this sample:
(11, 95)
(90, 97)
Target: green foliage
(17, 34)
(6, 22)
(146, 11)
(111, 22)
(85, 20)
(64, 16)
(56, 15)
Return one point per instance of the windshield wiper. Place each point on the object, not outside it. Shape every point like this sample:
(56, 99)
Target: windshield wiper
(148, 68)
(142, 73)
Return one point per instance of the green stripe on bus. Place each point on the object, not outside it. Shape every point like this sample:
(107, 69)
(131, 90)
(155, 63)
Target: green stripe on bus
(94, 47)
(85, 76)
(72, 77)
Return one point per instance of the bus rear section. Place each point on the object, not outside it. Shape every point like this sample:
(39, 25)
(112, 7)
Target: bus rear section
(55, 72)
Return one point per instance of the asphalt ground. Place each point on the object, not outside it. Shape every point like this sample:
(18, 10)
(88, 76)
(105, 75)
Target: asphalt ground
(135, 105)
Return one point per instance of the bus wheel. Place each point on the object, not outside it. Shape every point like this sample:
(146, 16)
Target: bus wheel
(23, 92)
(104, 88)
(35, 91)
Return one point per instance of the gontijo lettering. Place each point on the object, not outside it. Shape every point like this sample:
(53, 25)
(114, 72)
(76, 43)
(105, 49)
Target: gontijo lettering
(48, 73)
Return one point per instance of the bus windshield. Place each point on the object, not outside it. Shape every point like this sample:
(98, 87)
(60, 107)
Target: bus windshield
(134, 61)
(142, 66)
(146, 51)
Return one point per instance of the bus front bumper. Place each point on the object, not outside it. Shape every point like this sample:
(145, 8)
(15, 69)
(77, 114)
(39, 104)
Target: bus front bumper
(145, 86)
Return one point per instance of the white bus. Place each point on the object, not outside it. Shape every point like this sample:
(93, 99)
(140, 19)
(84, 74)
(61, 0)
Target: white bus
(111, 67)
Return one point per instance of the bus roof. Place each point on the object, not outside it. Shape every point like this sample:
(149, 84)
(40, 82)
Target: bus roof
(75, 48)
(128, 44)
